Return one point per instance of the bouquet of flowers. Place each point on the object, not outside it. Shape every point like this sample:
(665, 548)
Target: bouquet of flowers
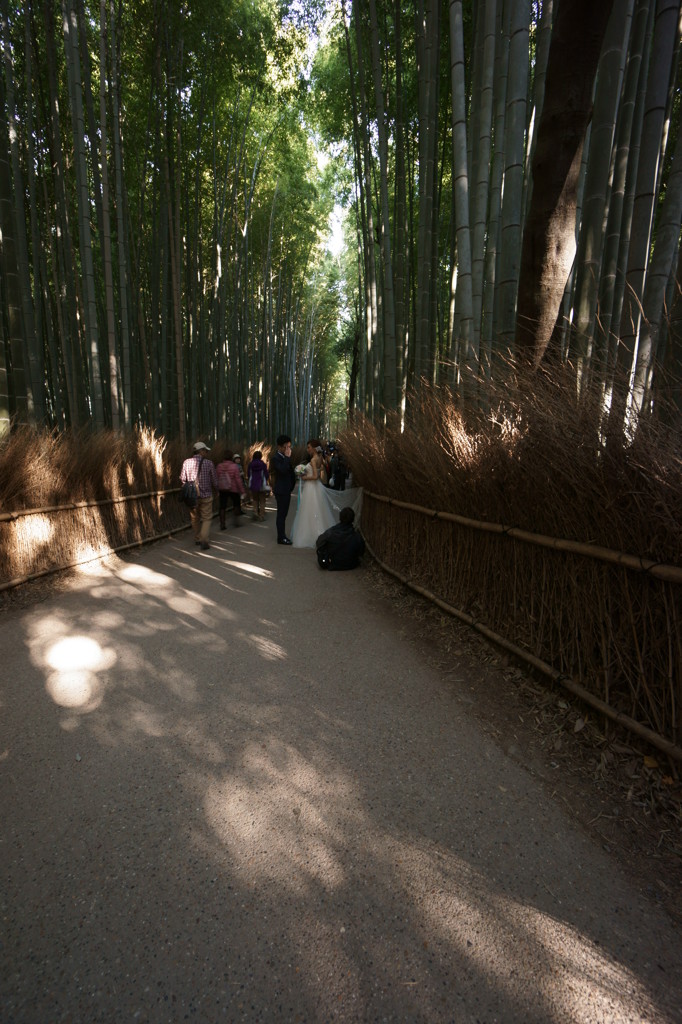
(300, 469)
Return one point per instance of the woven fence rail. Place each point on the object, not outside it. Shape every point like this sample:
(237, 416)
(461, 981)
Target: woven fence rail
(604, 623)
(38, 541)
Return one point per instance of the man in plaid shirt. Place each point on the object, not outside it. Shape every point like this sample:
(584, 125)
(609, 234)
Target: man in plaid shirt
(201, 470)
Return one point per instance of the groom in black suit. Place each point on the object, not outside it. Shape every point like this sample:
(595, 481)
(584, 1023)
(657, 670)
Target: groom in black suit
(284, 483)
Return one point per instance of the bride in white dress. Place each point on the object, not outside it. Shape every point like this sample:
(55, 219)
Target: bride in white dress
(314, 514)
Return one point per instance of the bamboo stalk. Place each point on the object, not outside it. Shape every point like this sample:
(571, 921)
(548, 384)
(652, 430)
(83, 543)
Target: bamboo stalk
(568, 683)
(8, 517)
(670, 573)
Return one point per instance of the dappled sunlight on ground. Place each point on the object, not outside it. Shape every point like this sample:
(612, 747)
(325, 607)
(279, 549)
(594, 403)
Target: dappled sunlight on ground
(202, 573)
(79, 652)
(254, 570)
(187, 604)
(284, 823)
(263, 647)
(227, 770)
(508, 939)
(273, 805)
(75, 689)
(75, 681)
(139, 574)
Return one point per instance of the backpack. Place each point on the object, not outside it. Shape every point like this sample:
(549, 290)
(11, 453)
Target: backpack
(189, 494)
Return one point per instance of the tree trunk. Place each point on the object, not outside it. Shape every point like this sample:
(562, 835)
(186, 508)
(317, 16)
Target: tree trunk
(674, 357)
(511, 217)
(389, 360)
(32, 359)
(427, 18)
(658, 275)
(549, 236)
(372, 315)
(106, 226)
(666, 31)
(492, 254)
(400, 215)
(173, 260)
(482, 164)
(70, 27)
(121, 233)
(13, 398)
(53, 407)
(617, 232)
(460, 179)
(599, 167)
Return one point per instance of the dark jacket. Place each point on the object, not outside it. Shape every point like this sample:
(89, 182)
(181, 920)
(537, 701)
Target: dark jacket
(340, 547)
(284, 476)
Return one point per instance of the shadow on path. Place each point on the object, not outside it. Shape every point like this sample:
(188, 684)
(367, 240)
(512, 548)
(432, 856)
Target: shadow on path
(231, 792)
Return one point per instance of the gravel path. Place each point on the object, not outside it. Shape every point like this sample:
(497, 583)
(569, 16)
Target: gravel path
(231, 792)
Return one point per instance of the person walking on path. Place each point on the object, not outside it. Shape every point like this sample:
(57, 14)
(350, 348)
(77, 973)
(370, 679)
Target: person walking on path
(246, 497)
(199, 468)
(258, 484)
(231, 488)
(284, 481)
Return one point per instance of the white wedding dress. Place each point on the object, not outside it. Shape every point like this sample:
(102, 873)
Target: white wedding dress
(314, 514)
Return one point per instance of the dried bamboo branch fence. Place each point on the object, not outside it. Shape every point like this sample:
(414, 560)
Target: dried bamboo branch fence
(602, 623)
(39, 541)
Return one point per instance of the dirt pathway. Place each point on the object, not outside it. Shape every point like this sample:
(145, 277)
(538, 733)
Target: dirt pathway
(231, 791)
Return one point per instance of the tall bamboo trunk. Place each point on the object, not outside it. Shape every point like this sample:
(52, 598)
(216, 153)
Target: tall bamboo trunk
(44, 330)
(511, 225)
(171, 201)
(400, 216)
(590, 250)
(32, 355)
(492, 255)
(13, 392)
(666, 33)
(106, 227)
(372, 314)
(617, 232)
(121, 232)
(427, 18)
(482, 164)
(389, 360)
(70, 27)
(659, 271)
(460, 178)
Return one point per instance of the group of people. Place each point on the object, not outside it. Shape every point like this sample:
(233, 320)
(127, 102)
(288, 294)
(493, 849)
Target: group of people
(338, 544)
(334, 472)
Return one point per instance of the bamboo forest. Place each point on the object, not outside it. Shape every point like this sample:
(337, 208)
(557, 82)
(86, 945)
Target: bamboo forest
(341, 511)
(239, 216)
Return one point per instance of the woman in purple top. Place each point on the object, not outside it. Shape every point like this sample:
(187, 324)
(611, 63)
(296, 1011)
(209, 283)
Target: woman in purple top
(258, 484)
